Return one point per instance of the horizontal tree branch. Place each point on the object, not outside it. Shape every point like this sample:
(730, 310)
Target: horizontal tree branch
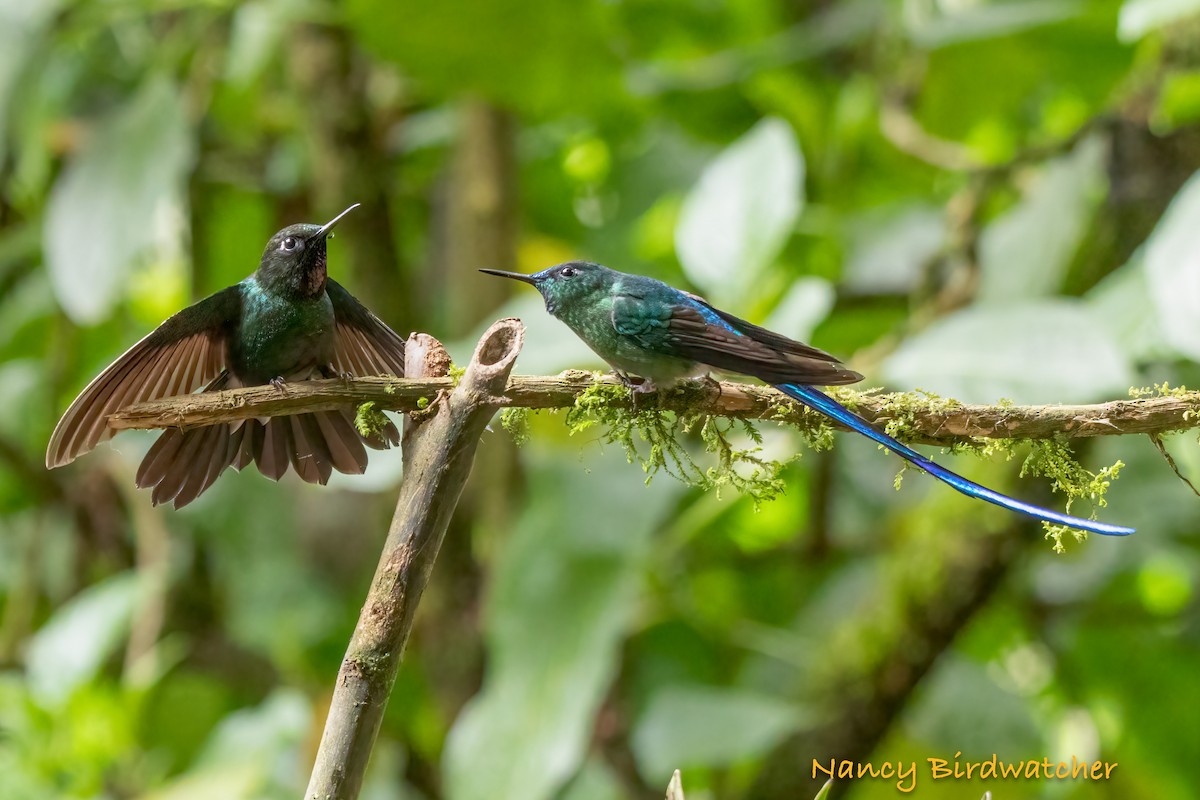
(927, 420)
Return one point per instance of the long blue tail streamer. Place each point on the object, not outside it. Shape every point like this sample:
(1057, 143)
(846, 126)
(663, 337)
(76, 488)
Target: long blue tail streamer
(819, 401)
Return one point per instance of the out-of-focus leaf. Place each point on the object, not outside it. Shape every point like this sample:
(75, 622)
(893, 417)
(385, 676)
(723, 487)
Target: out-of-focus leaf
(238, 781)
(742, 210)
(1027, 252)
(550, 345)
(930, 24)
(258, 27)
(1122, 303)
(268, 736)
(72, 646)
(887, 252)
(710, 726)
(21, 26)
(1178, 101)
(561, 596)
(595, 781)
(1139, 17)
(104, 207)
(1172, 257)
(942, 720)
(805, 305)
(1048, 351)
(1166, 583)
(824, 793)
(535, 56)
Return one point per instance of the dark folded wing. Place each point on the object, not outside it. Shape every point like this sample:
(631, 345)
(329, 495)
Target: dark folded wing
(181, 355)
(363, 344)
(692, 329)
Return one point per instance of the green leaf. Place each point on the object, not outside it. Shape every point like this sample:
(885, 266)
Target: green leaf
(1004, 721)
(930, 25)
(708, 726)
(888, 249)
(72, 646)
(1172, 258)
(550, 346)
(242, 781)
(561, 597)
(805, 306)
(1046, 351)
(21, 27)
(741, 212)
(536, 56)
(1139, 17)
(1123, 303)
(596, 781)
(824, 793)
(1026, 252)
(257, 30)
(104, 209)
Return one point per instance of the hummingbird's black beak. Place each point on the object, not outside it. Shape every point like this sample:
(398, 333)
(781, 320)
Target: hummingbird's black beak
(516, 276)
(328, 226)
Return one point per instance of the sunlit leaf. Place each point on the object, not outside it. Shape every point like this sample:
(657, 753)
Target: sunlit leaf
(561, 595)
(1172, 258)
(103, 209)
(72, 646)
(1049, 351)
(710, 726)
(1139, 17)
(1026, 252)
(742, 210)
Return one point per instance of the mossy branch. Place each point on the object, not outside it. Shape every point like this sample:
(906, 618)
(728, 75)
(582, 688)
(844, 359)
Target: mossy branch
(914, 417)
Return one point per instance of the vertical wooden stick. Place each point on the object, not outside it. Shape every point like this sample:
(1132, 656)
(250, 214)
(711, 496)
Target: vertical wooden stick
(439, 446)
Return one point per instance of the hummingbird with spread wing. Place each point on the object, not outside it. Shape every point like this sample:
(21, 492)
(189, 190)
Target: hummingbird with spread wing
(644, 327)
(288, 321)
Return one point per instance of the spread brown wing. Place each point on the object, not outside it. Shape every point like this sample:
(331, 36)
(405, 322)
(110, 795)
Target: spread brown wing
(183, 354)
(364, 345)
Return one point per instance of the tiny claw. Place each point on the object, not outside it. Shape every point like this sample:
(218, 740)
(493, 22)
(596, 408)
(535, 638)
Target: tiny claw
(330, 371)
(280, 384)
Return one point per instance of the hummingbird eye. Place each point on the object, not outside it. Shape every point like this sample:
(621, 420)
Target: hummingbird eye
(290, 243)
(568, 272)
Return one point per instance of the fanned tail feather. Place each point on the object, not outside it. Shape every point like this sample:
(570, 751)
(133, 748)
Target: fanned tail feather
(819, 401)
(183, 464)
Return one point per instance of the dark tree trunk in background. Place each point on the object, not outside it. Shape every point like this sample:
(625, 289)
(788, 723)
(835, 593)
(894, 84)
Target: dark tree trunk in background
(351, 164)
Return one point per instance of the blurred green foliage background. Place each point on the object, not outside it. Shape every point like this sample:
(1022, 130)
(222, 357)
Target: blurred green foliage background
(985, 199)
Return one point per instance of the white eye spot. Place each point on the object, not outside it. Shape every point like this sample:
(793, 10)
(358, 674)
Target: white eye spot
(290, 243)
